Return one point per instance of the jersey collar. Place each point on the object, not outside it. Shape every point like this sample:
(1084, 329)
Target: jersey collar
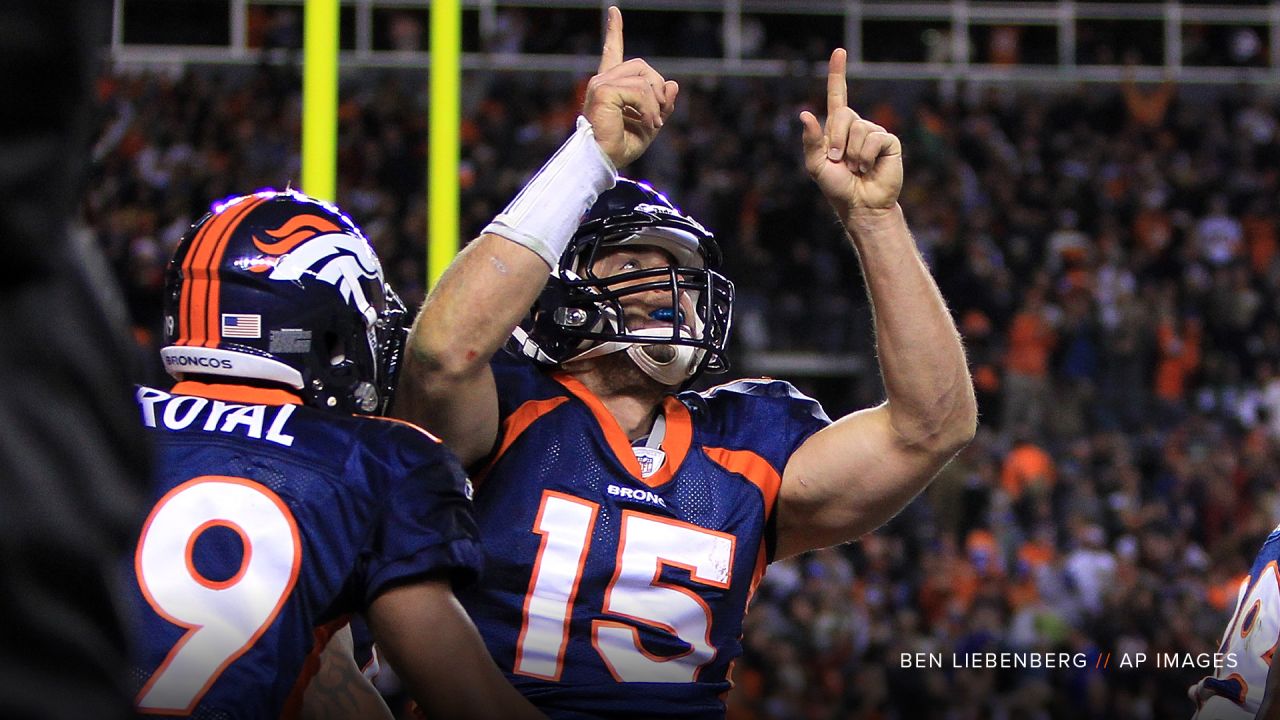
(676, 443)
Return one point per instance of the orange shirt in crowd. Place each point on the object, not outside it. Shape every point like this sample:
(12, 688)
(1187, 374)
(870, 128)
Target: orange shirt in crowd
(1024, 466)
(1037, 554)
(1179, 357)
(1022, 592)
(981, 542)
(1261, 241)
(1222, 596)
(1148, 108)
(1030, 342)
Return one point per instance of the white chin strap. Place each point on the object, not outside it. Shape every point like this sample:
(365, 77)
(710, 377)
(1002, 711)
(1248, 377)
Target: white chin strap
(682, 365)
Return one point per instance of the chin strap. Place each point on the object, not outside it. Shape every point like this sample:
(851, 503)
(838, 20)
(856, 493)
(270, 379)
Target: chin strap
(682, 365)
(529, 348)
(675, 371)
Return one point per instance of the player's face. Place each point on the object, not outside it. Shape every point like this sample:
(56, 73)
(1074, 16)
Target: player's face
(649, 309)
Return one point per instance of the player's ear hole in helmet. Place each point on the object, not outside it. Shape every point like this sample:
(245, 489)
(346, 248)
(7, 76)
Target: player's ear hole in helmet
(580, 315)
(279, 288)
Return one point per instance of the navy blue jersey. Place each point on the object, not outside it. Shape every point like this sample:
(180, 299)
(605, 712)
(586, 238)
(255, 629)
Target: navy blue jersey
(612, 588)
(272, 520)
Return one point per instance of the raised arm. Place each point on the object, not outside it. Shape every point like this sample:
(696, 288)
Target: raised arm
(447, 386)
(852, 476)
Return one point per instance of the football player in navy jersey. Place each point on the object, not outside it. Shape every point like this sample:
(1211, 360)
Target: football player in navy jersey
(281, 505)
(626, 522)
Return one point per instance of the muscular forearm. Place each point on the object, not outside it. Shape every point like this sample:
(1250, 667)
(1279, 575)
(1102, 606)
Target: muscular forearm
(435, 649)
(478, 301)
(446, 385)
(930, 394)
(851, 477)
(487, 290)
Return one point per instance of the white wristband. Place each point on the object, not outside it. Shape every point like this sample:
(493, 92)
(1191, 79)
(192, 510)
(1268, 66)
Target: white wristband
(546, 213)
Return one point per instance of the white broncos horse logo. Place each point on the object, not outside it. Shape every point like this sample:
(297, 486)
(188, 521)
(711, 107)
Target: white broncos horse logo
(310, 244)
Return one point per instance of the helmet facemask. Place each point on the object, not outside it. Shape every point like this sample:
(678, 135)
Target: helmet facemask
(581, 315)
(696, 299)
(391, 331)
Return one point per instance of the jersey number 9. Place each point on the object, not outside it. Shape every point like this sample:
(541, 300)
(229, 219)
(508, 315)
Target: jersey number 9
(223, 617)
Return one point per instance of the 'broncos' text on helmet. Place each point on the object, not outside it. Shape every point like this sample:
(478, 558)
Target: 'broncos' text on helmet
(579, 315)
(279, 287)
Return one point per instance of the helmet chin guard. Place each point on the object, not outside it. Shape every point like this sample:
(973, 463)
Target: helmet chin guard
(579, 316)
(681, 364)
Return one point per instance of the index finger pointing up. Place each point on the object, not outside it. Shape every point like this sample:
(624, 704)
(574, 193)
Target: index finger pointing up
(611, 56)
(837, 86)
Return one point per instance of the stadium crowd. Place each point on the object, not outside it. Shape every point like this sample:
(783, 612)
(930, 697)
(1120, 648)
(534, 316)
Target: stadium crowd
(1111, 255)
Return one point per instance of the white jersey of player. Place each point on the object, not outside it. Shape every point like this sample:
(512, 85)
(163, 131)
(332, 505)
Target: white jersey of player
(1235, 691)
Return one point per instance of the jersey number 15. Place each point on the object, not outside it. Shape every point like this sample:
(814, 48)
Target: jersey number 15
(636, 593)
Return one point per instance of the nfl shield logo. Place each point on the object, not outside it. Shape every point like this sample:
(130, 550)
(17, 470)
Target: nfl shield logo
(650, 460)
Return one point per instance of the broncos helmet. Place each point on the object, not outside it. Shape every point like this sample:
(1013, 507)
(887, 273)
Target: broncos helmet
(579, 315)
(279, 287)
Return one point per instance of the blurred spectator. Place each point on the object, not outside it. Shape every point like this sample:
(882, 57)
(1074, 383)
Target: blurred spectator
(1218, 236)
(1026, 382)
(1090, 567)
(1027, 477)
(1147, 107)
(406, 32)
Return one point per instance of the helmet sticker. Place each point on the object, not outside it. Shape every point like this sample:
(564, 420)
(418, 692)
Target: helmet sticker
(236, 325)
(331, 254)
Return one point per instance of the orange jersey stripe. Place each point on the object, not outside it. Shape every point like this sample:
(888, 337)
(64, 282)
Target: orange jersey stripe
(760, 473)
(405, 423)
(516, 423)
(613, 434)
(754, 468)
(676, 443)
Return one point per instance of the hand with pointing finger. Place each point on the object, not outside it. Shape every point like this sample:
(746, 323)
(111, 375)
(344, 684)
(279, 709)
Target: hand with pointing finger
(627, 101)
(856, 163)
